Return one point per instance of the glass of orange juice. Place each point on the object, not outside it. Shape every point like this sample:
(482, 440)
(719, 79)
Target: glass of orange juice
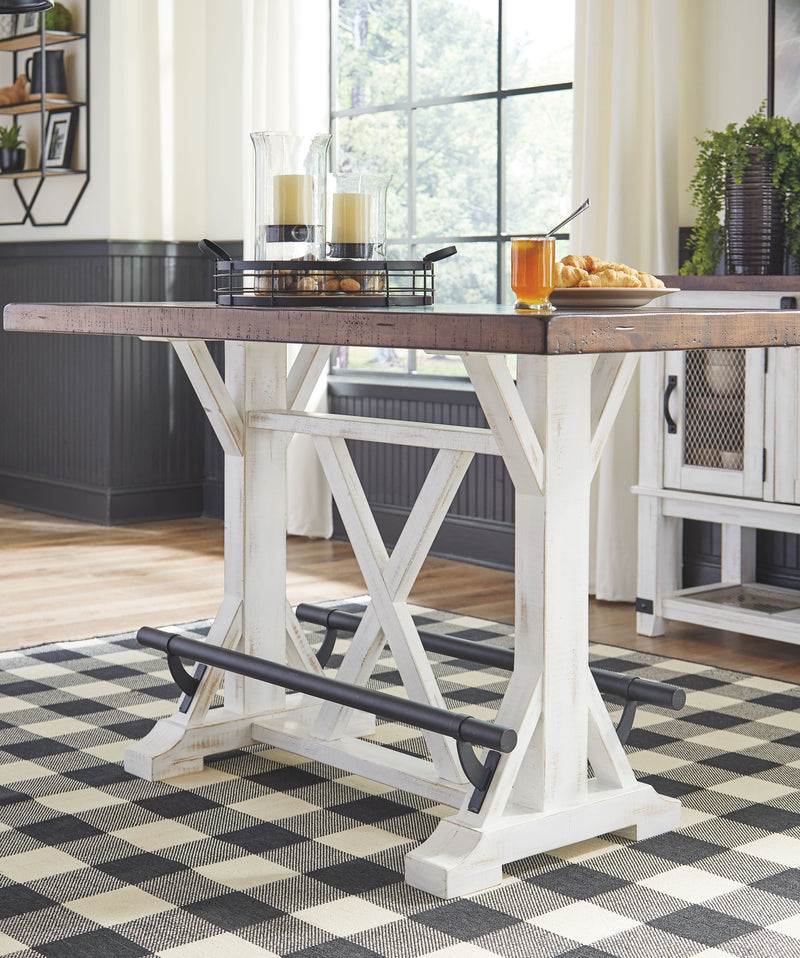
(532, 268)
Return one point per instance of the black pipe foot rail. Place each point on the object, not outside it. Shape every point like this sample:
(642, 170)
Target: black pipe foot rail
(466, 730)
(631, 690)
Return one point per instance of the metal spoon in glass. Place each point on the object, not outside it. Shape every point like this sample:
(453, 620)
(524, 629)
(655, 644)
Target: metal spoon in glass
(584, 206)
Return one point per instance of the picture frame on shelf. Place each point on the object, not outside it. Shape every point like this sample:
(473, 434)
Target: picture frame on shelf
(8, 25)
(27, 22)
(59, 138)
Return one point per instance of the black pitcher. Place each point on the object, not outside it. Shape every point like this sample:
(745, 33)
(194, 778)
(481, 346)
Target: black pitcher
(55, 75)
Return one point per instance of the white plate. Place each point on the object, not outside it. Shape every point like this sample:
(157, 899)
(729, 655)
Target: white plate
(606, 296)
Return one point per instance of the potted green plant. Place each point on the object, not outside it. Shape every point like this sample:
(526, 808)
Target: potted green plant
(752, 174)
(12, 156)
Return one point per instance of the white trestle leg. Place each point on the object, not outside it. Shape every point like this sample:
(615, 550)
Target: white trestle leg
(542, 796)
(252, 616)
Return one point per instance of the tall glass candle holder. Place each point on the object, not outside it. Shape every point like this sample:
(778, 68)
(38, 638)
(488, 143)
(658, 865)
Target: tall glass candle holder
(357, 216)
(290, 191)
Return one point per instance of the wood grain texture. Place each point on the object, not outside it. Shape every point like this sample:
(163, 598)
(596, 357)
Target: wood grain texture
(63, 580)
(489, 329)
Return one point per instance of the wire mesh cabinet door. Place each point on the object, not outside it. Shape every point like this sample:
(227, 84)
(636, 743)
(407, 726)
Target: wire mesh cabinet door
(714, 408)
(783, 422)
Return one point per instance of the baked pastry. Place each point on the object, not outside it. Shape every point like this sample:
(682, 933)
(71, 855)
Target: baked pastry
(590, 272)
(565, 275)
(611, 277)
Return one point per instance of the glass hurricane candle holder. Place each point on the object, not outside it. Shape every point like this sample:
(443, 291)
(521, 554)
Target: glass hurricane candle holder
(290, 185)
(357, 215)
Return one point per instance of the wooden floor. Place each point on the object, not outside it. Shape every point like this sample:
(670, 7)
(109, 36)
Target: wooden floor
(62, 580)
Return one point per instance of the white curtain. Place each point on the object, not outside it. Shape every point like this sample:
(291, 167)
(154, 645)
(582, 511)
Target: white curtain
(190, 80)
(286, 81)
(625, 160)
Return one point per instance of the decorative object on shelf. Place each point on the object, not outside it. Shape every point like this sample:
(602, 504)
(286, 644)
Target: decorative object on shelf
(12, 155)
(25, 13)
(27, 23)
(8, 25)
(357, 215)
(24, 6)
(11, 95)
(59, 138)
(290, 195)
(58, 18)
(752, 173)
(54, 83)
(350, 282)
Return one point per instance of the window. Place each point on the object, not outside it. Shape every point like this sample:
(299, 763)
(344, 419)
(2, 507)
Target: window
(468, 105)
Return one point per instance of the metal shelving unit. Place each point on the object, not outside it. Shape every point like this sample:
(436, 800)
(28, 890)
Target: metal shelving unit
(16, 46)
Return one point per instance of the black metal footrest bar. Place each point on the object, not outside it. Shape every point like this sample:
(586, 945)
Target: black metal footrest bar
(631, 689)
(466, 730)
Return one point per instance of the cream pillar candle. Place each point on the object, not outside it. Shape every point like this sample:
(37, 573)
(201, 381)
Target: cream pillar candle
(351, 212)
(292, 195)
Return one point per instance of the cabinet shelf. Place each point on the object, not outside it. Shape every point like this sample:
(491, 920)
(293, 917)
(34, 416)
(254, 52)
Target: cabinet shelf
(37, 174)
(770, 612)
(32, 41)
(28, 198)
(35, 106)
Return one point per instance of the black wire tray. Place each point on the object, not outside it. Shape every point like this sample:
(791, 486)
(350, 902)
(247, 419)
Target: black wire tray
(323, 282)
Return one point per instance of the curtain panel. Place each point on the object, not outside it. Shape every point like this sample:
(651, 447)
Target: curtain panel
(626, 160)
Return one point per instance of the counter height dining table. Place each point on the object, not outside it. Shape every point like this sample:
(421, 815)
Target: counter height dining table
(562, 775)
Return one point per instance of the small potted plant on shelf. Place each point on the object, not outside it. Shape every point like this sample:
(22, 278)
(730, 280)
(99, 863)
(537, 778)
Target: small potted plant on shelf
(751, 173)
(12, 155)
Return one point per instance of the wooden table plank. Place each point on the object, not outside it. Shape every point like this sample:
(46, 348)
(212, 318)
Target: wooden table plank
(440, 328)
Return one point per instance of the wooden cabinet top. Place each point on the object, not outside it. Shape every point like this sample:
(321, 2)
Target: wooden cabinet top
(442, 328)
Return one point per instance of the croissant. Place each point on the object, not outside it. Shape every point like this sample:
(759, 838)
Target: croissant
(650, 281)
(565, 275)
(612, 277)
(586, 262)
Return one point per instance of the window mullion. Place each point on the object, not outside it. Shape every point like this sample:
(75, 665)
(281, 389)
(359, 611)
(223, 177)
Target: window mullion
(411, 130)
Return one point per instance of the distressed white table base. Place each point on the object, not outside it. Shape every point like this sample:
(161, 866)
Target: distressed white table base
(568, 778)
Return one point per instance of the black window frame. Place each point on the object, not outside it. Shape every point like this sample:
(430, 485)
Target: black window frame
(413, 241)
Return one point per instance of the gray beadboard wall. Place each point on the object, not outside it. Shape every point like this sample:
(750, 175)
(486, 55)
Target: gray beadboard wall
(100, 428)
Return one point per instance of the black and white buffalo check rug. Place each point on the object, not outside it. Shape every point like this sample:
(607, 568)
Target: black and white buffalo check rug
(264, 853)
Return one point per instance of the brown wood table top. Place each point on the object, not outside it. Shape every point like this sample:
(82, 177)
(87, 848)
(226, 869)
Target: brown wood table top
(441, 328)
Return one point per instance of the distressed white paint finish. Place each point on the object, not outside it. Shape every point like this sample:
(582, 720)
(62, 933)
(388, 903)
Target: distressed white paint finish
(760, 495)
(389, 598)
(541, 795)
(395, 431)
(738, 554)
(549, 430)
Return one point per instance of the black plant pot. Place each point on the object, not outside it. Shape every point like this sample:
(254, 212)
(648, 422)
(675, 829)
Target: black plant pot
(12, 160)
(754, 234)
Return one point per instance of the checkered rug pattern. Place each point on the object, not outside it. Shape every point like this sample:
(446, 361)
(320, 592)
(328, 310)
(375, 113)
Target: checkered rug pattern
(264, 853)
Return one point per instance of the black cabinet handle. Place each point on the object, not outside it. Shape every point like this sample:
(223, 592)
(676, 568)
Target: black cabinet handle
(672, 382)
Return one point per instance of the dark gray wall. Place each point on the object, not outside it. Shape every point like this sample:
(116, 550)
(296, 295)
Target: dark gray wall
(102, 428)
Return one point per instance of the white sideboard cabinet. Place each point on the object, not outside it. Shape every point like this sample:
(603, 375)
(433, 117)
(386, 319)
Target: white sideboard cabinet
(719, 442)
